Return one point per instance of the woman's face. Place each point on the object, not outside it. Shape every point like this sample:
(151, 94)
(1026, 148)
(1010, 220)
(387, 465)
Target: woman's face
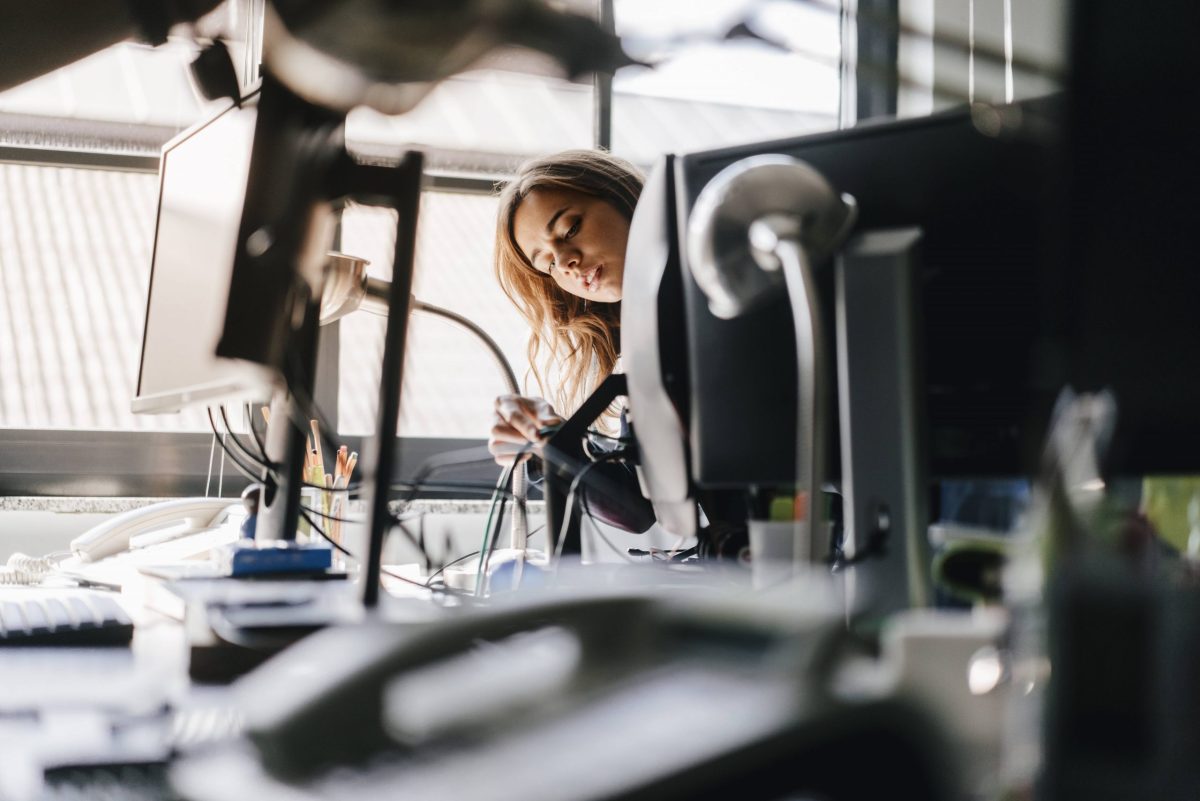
(575, 238)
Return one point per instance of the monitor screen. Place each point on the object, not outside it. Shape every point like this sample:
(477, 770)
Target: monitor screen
(203, 178)
(980, 202)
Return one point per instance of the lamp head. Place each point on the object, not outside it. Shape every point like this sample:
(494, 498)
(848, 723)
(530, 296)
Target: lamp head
(348, 288)
(743, 216)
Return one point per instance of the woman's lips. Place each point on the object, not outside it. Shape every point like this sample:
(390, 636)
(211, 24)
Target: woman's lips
(591, 281)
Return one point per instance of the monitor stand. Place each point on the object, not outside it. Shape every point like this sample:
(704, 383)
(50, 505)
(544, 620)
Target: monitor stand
(334, 178)
(883, 478)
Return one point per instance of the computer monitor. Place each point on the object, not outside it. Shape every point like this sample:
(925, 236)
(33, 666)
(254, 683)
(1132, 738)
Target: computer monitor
(961, 336)
(980, 203)
(202, 186)
(300, 172)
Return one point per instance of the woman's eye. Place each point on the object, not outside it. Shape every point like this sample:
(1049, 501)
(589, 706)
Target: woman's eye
(574, 229)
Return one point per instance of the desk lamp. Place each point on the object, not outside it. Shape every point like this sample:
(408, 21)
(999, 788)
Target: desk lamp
(761, 225)
(349, 288)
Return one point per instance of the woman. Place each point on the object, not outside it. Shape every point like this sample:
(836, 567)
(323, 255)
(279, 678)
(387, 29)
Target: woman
(561, 234)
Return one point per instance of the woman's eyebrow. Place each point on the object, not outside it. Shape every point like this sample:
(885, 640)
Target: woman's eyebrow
(554, 219)
(549, 230)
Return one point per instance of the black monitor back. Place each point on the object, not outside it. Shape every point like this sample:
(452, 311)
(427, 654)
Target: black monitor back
(981, 201)
(1128, 287)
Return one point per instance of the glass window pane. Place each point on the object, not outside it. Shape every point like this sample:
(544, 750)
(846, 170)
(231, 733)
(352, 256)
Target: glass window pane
(74, 266)
(450, 379)
(484, 121)
(734, 72)
(128, 98)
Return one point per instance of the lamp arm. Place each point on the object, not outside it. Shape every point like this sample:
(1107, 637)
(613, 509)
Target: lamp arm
(351, 288)
(520, 524)
(812, 415)
(510, 377)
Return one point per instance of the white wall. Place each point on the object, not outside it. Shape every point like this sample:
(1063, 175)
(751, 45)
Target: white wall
(40, 533)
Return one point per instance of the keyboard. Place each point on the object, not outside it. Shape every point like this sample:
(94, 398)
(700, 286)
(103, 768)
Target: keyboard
(37, 616)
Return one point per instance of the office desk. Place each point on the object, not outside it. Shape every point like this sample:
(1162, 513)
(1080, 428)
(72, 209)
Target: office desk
(78, 712)
(64, 707)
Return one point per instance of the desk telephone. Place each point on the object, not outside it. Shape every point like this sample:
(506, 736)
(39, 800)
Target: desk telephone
(137, 528)
(595, 697)
(151, 524)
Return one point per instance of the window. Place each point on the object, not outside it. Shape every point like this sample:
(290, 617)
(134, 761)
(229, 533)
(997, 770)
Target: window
(75, 240)
(734, 72)
(74, 265)
(978, 51)
(78, 189)
(486, 121)
(450, 379)
(128, 99)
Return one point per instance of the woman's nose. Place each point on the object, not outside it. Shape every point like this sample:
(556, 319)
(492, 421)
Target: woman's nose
(567, 260)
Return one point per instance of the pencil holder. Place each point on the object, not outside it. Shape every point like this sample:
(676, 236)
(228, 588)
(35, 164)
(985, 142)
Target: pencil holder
(772, 544)
(314, 504)
(339, 505)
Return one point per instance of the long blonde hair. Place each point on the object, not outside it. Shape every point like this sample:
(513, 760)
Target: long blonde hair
(584, 338)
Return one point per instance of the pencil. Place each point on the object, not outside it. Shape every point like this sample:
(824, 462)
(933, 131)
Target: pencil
(316, 433)
(266, 413)
(350, 463)
(339, 468)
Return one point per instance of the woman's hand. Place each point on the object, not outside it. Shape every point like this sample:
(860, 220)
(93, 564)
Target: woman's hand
(516, 425)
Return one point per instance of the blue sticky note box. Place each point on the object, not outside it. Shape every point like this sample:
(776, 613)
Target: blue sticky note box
(251, 559)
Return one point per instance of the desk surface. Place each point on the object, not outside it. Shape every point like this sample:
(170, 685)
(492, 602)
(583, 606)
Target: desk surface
(66, 504)
(62, 708)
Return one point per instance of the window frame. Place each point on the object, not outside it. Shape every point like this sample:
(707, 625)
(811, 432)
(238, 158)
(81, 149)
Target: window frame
(114, 463)
(134, 463)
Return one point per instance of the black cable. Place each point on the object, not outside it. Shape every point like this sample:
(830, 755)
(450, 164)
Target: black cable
(464, 558)
(570, 504)
(269, 472)
(501, 484)
(504, 485)
(303, 510)
(334, 518)
(478, 486)
(301, 396)
(442, 461)
(600, 533)
(258, 440)
(241, 468)
(438, 462)
(397, 520)
(596, 526)
(435, 485)
(450, 564)
(433, 464)
(255, 459)
(342, 549)
(490, 545)
(415, 486)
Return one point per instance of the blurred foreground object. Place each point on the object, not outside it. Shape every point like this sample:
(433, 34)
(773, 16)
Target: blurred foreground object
(388, 55)
(588, 694)
(37, 38)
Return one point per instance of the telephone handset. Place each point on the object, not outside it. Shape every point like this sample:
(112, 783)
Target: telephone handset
(617, 697)
(177, 517)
